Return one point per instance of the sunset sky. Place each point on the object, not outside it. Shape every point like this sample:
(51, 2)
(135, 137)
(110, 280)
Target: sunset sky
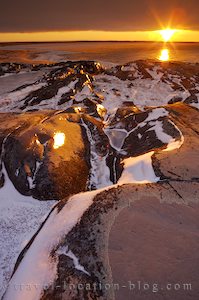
(64, 20)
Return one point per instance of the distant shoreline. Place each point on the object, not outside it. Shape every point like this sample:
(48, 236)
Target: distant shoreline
(86, 41)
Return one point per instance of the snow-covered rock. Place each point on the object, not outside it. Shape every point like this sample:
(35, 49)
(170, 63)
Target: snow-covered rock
(79, 135)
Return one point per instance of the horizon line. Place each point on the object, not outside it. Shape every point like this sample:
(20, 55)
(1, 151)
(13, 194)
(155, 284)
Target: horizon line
(94, 41)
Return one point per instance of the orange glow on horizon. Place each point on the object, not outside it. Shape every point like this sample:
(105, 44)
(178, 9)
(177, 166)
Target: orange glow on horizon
(179, 36)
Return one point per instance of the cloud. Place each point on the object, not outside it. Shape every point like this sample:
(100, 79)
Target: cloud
(112, 15)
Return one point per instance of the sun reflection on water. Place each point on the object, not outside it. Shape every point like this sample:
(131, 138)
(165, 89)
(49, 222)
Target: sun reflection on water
(164, 55)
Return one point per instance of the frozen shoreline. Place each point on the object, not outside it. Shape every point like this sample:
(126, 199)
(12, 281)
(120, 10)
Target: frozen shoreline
(128, 123)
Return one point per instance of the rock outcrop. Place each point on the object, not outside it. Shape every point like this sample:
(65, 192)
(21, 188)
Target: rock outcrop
(54, 155)
(76, 252)
(99, 142)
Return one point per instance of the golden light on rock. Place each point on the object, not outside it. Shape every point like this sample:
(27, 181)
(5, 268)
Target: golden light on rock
(101, 110)
(77, 109)
(164, 55)
(59, 140)
(38, 142)
(167, 34)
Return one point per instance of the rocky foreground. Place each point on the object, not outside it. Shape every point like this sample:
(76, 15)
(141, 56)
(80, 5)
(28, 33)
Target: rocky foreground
(99, 180)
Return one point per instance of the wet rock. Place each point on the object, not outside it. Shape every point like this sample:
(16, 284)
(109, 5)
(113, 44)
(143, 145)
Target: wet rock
(47, 160)
(66, 97)
(183, 115)
(125, 111)
(71, 151)
(191, 99)
(166, 229)
(175, 99)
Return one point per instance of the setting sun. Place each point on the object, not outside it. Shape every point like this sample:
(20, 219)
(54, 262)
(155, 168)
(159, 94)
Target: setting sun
(167, 34)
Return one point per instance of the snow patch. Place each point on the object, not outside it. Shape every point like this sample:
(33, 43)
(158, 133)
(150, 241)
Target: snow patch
(9, 101)
(156, 113)
(20, 217)
(138, 170)
(99, 173)
(65, 251)
(38, 269)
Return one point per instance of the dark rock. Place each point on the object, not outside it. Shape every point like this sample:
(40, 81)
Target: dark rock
(39, 167)
(175, 100)
(191, 99)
